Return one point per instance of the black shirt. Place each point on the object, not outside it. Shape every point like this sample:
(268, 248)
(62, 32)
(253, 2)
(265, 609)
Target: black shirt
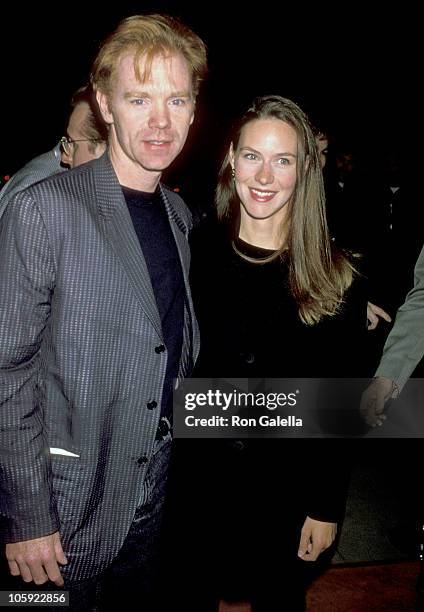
(157, 242)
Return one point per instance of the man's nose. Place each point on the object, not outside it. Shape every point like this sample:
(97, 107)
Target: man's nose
(159, 116)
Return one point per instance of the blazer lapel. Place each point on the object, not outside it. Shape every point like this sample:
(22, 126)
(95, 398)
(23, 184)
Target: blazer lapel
(118, 228)
(180, 231)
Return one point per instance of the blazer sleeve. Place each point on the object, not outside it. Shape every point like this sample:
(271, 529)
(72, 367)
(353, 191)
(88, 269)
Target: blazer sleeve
(27, 507)
(404, 346)
(36, 170)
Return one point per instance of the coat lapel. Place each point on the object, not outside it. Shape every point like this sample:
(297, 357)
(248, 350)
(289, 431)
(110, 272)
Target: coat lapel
(180, 231)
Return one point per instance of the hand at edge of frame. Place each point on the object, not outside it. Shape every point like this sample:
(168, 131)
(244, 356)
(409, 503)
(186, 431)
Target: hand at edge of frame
(37, 560)
(374, 398)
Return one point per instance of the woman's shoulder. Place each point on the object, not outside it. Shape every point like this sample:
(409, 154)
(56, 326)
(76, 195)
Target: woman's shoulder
(358, 286)
(351, 312)
(358, 289)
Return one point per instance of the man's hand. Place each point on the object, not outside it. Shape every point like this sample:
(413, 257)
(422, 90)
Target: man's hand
(373, 314)
(315, 537)
(37, 559)
(373, 400)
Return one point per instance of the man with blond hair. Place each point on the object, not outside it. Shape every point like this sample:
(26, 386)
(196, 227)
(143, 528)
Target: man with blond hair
(96, 320)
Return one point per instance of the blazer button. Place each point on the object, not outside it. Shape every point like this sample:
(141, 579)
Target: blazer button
(159, 349)
(142, 460)
(151, 405)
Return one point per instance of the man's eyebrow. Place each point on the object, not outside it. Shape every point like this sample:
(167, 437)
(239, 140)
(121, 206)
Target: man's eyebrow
(180, 94)
(145, 94)
(136, 94)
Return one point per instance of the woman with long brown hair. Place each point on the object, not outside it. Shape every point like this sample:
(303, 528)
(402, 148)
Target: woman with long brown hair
(274, 298)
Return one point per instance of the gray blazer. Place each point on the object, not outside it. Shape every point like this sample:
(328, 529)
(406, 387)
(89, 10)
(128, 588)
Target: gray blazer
(78, 330)
(404, 346)
(36, 170)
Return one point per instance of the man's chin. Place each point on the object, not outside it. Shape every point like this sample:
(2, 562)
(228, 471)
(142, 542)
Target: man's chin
(156, 165)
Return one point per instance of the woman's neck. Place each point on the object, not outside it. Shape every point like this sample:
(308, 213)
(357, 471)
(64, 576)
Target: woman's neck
(263, 233)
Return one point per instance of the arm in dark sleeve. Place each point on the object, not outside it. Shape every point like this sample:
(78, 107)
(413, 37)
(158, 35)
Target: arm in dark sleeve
(331, 465)
(331, 459)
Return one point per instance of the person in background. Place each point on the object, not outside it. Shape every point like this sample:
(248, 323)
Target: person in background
(403, 351)
(96, 321)
(322, 141)
(85, 140)
(374, 312)
(86, 133)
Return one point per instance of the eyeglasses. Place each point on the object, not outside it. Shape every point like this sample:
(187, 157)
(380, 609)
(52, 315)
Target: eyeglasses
(67, 143)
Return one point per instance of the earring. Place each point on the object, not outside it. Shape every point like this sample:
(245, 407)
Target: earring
(233, 173)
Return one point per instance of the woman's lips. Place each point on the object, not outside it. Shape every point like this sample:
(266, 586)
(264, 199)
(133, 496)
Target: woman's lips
(261, 196)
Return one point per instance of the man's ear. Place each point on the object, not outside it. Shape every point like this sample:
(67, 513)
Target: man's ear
(103, 103)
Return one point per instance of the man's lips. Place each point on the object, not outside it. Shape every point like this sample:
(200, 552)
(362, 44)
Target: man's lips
(157, 144)
(261, 196)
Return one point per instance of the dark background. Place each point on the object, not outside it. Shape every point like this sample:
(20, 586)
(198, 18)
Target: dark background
(354, 72)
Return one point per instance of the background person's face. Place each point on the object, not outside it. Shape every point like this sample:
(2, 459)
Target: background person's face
(322, 145)
(265, 168)
(85, 151)
(149, 120)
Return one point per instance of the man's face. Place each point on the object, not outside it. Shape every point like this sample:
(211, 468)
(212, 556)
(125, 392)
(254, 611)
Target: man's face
(322, 145)
(80, 152)
(149, 120)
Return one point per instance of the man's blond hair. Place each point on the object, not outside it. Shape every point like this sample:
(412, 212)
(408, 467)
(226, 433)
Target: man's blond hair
(148, 36)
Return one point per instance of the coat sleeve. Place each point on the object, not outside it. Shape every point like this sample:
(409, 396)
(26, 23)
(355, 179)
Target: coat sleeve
(404, 346)
(27, 507)
(332, 458)
(327, 488)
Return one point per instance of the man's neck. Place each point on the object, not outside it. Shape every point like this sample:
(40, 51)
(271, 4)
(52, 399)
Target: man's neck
(131, 174)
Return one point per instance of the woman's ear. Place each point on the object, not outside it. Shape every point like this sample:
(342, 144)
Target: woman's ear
(231, 156)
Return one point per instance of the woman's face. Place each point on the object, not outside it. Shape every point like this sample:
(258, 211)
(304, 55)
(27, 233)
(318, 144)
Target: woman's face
(265, 168)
